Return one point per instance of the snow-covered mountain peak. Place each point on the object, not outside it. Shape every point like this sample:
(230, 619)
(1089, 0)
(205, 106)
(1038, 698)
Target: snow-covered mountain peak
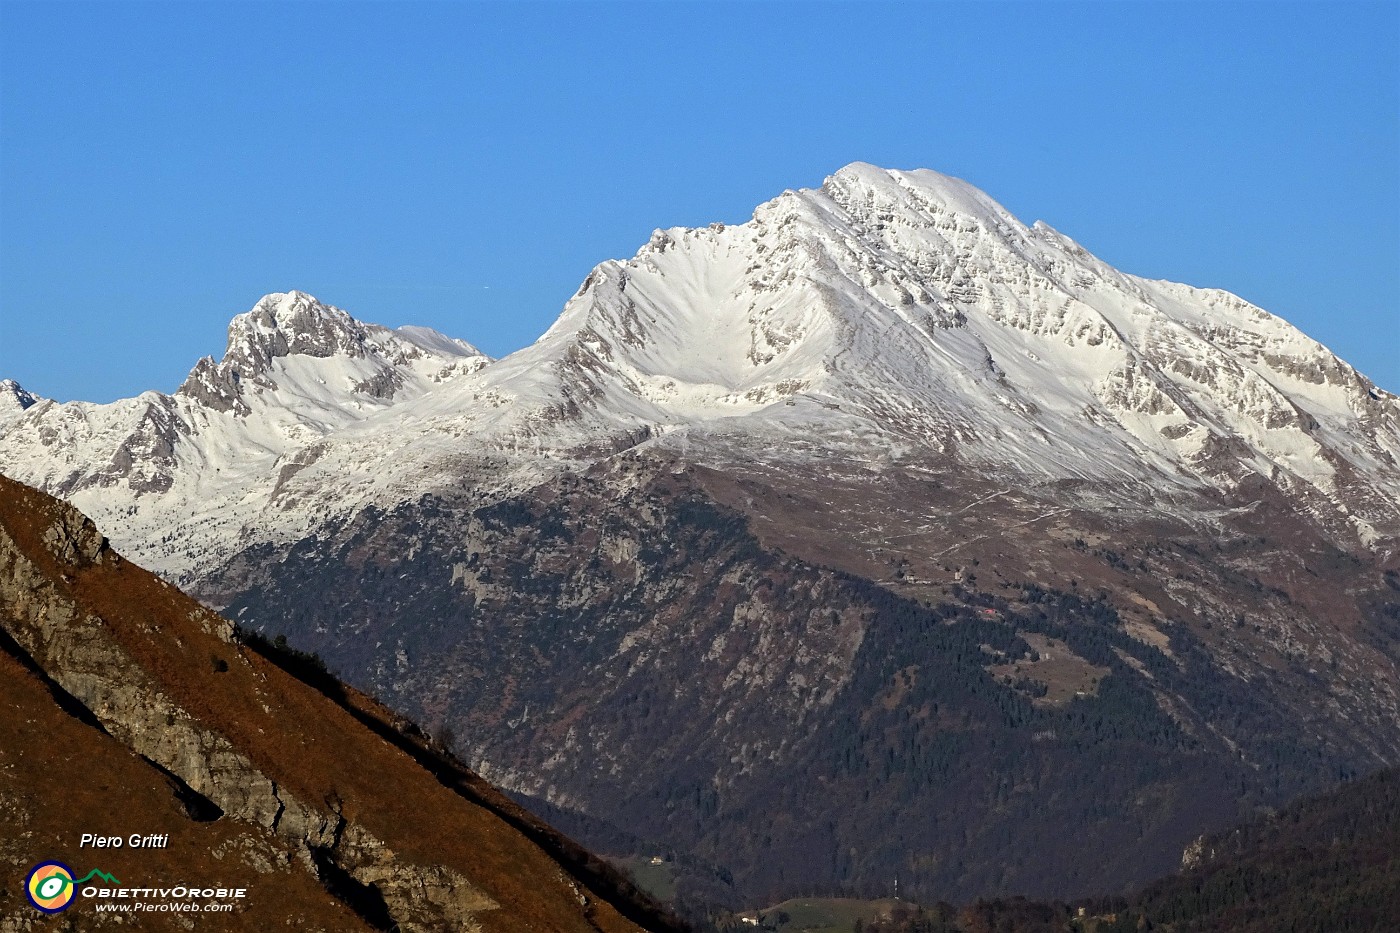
(862, 188)
(292, 323)
(296, 371)
(292, 342)
(14, 399)
(14, 395)
(861, 281)
(917, 290)
(911, 306)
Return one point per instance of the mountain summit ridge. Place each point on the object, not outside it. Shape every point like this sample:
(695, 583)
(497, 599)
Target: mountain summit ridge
(904, 310)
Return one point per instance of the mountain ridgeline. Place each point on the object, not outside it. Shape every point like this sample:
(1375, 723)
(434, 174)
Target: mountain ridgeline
(882, 536)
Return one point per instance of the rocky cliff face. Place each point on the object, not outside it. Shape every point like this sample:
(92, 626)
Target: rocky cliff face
(312, 793)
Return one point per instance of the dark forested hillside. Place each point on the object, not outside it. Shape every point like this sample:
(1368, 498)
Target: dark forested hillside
(648, 664)
(1324, 864)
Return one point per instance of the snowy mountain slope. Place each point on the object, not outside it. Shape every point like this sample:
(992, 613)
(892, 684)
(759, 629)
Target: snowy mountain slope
(927, 310)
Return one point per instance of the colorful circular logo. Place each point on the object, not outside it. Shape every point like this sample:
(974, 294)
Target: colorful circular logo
(50, 887)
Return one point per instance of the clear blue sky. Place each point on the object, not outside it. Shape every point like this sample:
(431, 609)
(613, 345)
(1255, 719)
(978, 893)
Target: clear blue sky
(464, 166)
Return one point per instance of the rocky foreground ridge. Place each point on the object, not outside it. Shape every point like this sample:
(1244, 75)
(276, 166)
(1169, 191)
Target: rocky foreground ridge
(130, 708)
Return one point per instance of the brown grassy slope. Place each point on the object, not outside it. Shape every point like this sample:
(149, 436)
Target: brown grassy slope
(311, 746)
(60, 777)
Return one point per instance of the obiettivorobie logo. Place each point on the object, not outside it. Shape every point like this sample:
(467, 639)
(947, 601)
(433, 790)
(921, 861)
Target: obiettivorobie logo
(51, 886)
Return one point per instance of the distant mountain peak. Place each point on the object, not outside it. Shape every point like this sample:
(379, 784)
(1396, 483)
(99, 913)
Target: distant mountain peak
(861, 184)
(292, 323)
(296, 370)
(15, 399)
(910, 305)
(14, 395)
(296, 324)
